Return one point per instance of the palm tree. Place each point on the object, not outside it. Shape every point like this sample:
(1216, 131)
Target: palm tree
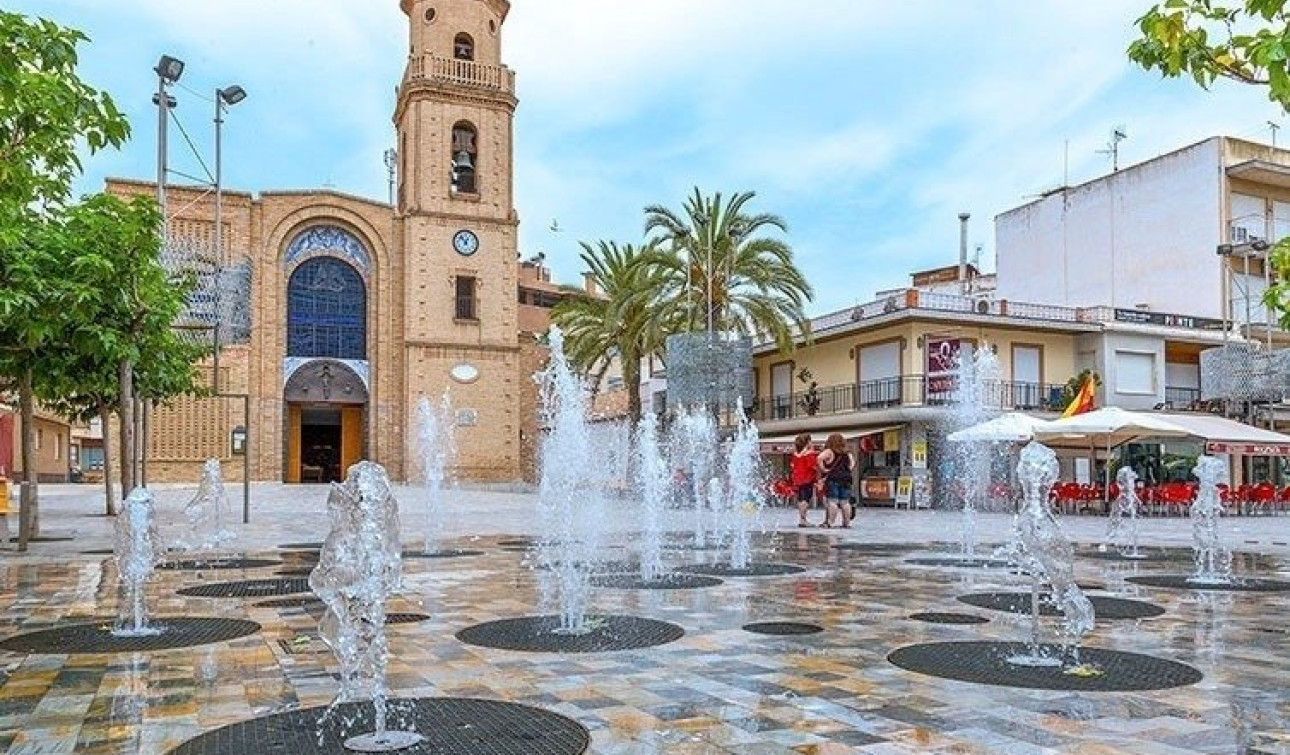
(614, 322)
(718, 273)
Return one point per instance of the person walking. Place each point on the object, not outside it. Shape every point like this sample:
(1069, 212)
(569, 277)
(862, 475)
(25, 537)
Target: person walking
(835, 466)
(805, 469)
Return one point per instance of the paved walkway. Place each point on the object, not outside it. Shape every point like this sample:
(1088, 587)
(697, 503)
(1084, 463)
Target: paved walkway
(719, 690)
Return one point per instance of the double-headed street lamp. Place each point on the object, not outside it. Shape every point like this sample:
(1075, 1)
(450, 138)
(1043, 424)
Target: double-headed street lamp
(169, 69)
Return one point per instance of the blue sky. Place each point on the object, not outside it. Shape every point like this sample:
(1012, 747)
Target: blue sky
(867, 125)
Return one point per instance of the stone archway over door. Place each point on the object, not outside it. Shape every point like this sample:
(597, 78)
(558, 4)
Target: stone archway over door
(326, 402)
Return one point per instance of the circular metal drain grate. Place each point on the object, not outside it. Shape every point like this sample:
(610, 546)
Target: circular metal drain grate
(518, 541)
(782, 628)
(960, 563)
(670, 581)
(987, 663)
(934, 617)
(537, 634)
(1146, 555)
(45, 539)
(877, 548)
(1239, 584)
(683, 547)
(753, 570)
(97, 637)
(1103, 607)
(99, 552)
(301, 546)
(299, 571)
(442, 553)
(406, 618)
(250, 588)
(196, 564)
(295, 601)
(449, 724)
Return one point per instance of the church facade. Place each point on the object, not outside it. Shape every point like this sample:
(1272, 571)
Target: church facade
(351, 311)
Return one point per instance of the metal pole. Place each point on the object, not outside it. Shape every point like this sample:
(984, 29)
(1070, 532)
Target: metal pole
(963, 242)
(246, 459)
(219, 233)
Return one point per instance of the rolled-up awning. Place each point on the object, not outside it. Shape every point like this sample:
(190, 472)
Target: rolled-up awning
(783, 444)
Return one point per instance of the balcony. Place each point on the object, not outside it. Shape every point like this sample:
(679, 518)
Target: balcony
(911, 390)
(435, 69)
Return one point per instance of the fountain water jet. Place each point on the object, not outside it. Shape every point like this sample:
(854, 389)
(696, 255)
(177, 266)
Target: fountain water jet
(569, 496)
(205, 513)
(652, 480)
(138, 551)
(745, 489)
(694, 443)
(1213, 561)
(975, 401)
(1125, 506)
(436, 449)
(359, 568)
(1047, 555)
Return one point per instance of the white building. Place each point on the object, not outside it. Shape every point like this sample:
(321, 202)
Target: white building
(1147, 237)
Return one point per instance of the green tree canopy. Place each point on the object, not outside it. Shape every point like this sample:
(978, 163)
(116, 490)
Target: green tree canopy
(716, 264)
(1246, 41)
(46, 114)
(617, 321)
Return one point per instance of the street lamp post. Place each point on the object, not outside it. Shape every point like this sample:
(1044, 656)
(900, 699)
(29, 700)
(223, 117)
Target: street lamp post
(168, 70)
(230, 95)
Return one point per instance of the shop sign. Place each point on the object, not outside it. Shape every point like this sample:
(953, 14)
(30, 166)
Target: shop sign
(904, 490)
(918, 454)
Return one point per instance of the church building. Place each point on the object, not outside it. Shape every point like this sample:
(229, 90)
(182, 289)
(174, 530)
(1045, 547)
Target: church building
(351, 310)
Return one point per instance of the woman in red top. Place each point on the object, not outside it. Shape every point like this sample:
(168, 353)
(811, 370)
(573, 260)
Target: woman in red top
(806, 470)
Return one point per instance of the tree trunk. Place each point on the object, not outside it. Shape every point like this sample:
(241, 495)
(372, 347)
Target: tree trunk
(30, 472)
(632, 377)
(125, 377)
(107, 459)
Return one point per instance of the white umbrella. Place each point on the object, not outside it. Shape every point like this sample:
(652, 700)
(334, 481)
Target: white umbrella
(1110, 426)
(1012, 427)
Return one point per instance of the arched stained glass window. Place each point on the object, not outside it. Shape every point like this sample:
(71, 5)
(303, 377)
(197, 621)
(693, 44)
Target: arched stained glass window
(326, 311)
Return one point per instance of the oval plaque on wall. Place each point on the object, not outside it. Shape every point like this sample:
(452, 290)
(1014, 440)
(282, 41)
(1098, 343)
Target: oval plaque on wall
(465, 373)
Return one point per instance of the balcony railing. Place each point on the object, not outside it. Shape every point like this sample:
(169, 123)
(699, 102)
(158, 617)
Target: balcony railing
(468, 73)
(911, 390)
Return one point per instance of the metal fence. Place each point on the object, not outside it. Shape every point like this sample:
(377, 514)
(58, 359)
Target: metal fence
(910, 390)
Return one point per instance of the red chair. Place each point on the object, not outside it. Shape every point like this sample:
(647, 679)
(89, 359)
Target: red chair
(1283, 499)
(1262, 498)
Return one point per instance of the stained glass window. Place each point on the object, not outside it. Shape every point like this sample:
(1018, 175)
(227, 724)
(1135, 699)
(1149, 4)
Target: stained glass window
(326, 311)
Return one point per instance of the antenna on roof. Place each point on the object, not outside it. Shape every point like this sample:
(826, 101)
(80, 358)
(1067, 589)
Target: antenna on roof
(1274, 127)
(1118, 134)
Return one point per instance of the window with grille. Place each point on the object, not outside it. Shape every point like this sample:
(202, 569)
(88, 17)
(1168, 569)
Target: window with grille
(326, 311)
(466, 304)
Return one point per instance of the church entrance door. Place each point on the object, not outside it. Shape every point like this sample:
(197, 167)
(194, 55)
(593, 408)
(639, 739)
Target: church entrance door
(326, 404)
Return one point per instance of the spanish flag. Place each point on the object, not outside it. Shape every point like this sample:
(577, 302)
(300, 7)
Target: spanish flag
(1083, 401)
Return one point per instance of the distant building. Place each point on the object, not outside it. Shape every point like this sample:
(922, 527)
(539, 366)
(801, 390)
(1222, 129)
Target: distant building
(1147, 237)
(53, 445)
(351, 310)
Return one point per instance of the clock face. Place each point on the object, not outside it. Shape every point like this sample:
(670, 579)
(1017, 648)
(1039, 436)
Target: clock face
(465, 242)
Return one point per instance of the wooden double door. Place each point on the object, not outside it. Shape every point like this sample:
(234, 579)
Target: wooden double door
(323, 441)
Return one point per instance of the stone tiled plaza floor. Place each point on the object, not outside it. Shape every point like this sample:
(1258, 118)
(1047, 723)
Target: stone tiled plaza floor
(717, 690)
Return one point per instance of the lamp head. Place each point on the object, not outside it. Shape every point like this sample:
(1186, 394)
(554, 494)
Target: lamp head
(169, 69)
(231, 95)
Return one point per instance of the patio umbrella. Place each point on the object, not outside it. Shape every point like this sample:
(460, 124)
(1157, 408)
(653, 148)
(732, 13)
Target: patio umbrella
(1013, 427)
(1110, 426)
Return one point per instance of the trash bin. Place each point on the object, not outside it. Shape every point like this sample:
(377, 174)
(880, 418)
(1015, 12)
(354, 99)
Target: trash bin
(75, 475)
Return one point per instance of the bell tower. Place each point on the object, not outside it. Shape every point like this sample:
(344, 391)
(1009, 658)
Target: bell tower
(454, 205)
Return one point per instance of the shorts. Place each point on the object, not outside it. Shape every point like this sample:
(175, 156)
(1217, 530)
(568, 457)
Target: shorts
(838, 491)
(806, 492)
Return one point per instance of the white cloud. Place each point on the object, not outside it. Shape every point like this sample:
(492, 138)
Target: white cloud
(869, 124)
